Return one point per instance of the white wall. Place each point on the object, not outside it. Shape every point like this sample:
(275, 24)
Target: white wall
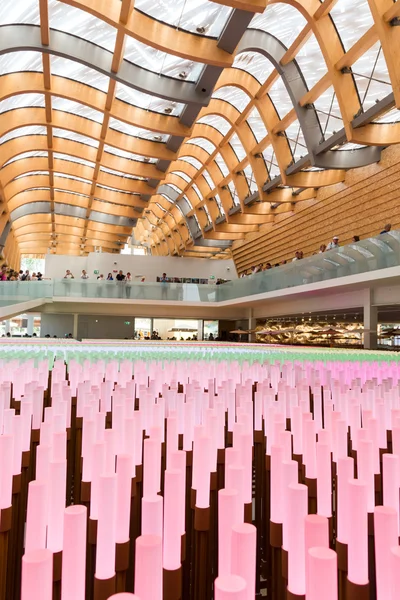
(147, 266)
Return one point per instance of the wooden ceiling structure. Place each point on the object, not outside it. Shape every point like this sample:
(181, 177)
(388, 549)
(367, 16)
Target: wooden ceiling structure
(190, 125)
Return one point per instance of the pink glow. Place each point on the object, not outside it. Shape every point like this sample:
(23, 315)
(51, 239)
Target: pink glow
(6, 471)
(391, 483)
(56, 504)
(228, 516)
(386, 537)
(246, 454)
(395, 572)
(106, 527)
(316, 535)
(203, 471)
(148, 568)
(358, 533)
(297, 511)
(322, 574)
(172, 521)
(74, 554)
(151, 467)
(172, 438)
(290, 470)
(99, 451)
(152, 515)
(88, 433)
(276, 484)
(309, 447)
(297, 430)
(230, 587)
(345, 472)
(124, 596)
(124, 488)
(234, 481)
(243, 553)
(324, 480)
(37, 575)
(365, 470)
(60, 445)
(35, 536)
(178, 461)
(396, 443)
(109, 438)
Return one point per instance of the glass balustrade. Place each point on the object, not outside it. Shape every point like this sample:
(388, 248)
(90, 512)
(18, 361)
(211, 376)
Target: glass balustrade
(362, 257)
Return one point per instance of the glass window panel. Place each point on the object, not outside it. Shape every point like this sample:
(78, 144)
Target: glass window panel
(207, 214)
(19, 11)
(24, 155)
(311, 62)
(280, 97)
(251, 180)
(76, 108)
(17, 62)
(75, 137)
(281, 20)
(21, 131)
(71, 192)
(256, 125)
(160, 207)
(254, 63)
(352, 20)
(144, 134)
(295, 137)
(70, 69)
(21, 101)
(234, 95)
(195, 219)
(219, 123)
(74, 159)
(160, 62)
(393, 116)
(270, 162)
(121, 174)
(221, 164)
(234, 194)
(82, 24)
(152, 103)
(114, 189)
(237, 147)
(372, 77)
(202, 143)
(128, 155)
(175, 187)
(74, 177)
(219, 204)
(328, 112)
(167, 198)
(348, 147)
(192, 161)
(197, 16)
(197, 191)
(31, 174)
(183, 175)
(207, 177)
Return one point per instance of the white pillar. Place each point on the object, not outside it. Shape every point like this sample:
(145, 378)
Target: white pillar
(75, 327)
(29, 327)
(370, 321)
(8, 325)
(252, 325)
(200, 330)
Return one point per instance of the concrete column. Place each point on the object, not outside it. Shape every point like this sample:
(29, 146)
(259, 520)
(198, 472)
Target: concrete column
(8, 326)
(251, 325)
(75, 327)
(29, 328)
(370, 321)
(200, 330)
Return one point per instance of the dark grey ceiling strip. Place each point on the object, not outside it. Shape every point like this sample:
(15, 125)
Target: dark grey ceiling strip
(33, 208)
(4, 235)
(99, 217)
(234, 29)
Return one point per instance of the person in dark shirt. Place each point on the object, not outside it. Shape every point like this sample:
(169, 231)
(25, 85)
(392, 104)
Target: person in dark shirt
(386, 229)
(120, 276)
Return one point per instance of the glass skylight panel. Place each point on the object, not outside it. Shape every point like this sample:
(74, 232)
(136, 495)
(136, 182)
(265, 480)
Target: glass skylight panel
(114, 189)
(19, 11)
(352, 20)
(328, 112)
(221, 164)
(74, 159)
(207, 214)
(71, 69)
(138, 132)
(22, 61)
(219, 123)
(31, 174)
(372, 77)
(197, 16)
(202, 143)
(281, 20)
(76, 108)
(234, 95)
(121, 174)
(197, 191)
(195, 219)
(251, 180)
(256, 125)
(164, 210)
(311, 62)
(219, 204)
(175, 187)
(393, 116)
(192, 161)
(75, 21)
(71, 192)
(254, 63)
(270, 162)
(280, 97)
(234, 194)
(294, 134)
(183, 175)
(207, 177)
(128, 155)
(348, 147)
(75, 137)
(160, 62)
(167, 198)
(237, 147)
(74, 177)
(148, 102)
(21, 131)
(21, 101)
(186, 199)
(24, 155)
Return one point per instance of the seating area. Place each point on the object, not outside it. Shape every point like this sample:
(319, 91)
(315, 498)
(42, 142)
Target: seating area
(161, 473)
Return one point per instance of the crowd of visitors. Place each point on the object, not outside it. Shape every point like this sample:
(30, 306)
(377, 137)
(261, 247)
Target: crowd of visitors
(332, 245)
(8, 274)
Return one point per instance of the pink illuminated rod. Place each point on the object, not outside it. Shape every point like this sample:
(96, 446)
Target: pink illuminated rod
(172, 521)
(172, 438)
(316, 532)
(148, 567)
(203, 473)
(290, 474)
(230, 587)
(178, 461)
(345, 473)
(324, 480)
(276, 484)
(74, 554)
(322, 574)
(385, 529)
(309, 447)
(297, 511)
(152, 516)
(244, 542)
(395, 572)
(6, 471)
(228, 516)
(56, 505)
(124, 489)
(358, 532)
(36, 520)
(391, 483)
(124, 596)
(37, 575)
(365, 470)
(106, 527)
(151, 467)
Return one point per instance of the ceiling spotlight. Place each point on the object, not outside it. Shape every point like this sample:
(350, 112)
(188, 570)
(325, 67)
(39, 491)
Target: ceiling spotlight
(146, 159)
(157, 138)
(183, 74)
(201, 29)
(168, 110)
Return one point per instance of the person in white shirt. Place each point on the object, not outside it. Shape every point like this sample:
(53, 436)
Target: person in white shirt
(334, 243)
(84, 275)
(68, 275)
(100, 278)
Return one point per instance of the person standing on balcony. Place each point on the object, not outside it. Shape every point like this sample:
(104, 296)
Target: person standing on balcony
(84, 275)
(128, 281)
(386, 229)
(120, 280)
(110, 277)
(68, 275)
(26, 276)
(334, 243)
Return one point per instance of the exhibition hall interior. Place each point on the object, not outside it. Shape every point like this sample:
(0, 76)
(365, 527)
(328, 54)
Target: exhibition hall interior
(199, 299)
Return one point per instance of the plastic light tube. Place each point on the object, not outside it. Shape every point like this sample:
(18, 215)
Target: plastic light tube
(297, 511)
(74, 554)
(151, 467)
(228, 516)
(56, 504)
(244, 543)
(106, 527)
(172, 523)
(386, 537)
(358, 532)
(124, 489)
(36, 523)
(152, 515)
(322, 574)
(230, 587)
(37, 575)
(148, 568)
